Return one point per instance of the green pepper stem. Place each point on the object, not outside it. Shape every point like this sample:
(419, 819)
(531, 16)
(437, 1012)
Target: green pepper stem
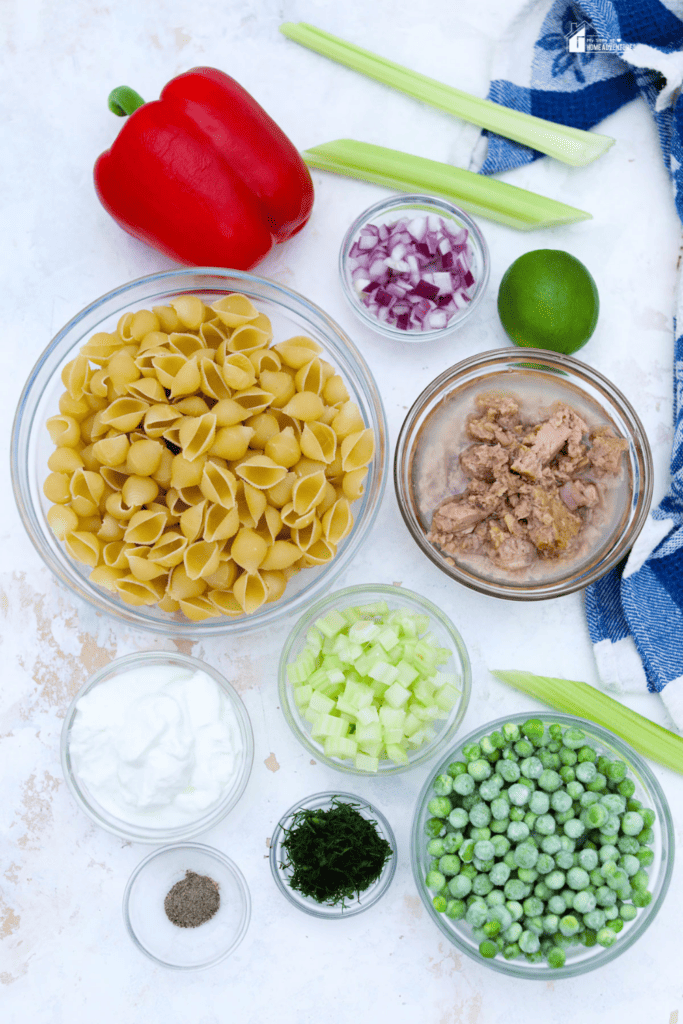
(123, 101)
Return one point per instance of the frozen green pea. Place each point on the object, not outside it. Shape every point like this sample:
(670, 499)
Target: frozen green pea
(471, 751)
(574, 789)
(437, 848)
(545, 864)
(586, 771)
(595, 919)
(544, 825)
(569, 925)
(608, 852)
(439, 806)
(435, 827)
(616, 771)
(511, 951)
(528, 942)
(594, 816)
(556, 904)
(475, 915)
(611, 912)
(551, 844)
(577, 878)
(468, 801)
(588, 798)
(464, 784)
(480, 815)
(598, 783)
(501, 845)
(527, 875)
(458, 818)
(442, 785)
(605, 896)
(482, 885)
(626, 788)
(508, 770)
(523, 748)
(435, 880)
(573, 738)
(542, 891)
(628, 845)
(517, 814)
(606, 937)
(551, 923)
(534, 924)
(518, 795)
(596, 878)
(530, 820)
(495, 898)
(484, 849)
(562, 816)
(584, 901)
(467, 851)
(568, 756)
(513, 932)
(567, 773)
(556, 957)
(531, 767)
(456, 768)
(632, 823)
(460, 886)
(630, 864)
(564, 859)
(532, 906)
(555, 879)
(469, 871)
(440, 903)
(515, 909)
(611, 827)
(614, 803)
(449, 864)
(491, 928)
(515, 889)
(455, 909)
(646, 857)
(549, 780)
(526, 855)
(574, 828)
(483, 865)
(479, 769)
(539, 802)
(489, 789)
(452, 842)
(560, 800)
(646, 837)
(627, 912)
(588, 859)
(640, 880)
(499, 825)
(499, 873)
(499, 808)
(587, 753)
(517, 831)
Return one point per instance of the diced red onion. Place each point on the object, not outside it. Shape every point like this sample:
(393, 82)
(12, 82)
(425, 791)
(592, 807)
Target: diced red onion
(414, 274)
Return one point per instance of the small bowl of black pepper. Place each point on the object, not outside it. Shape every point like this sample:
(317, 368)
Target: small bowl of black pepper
(187, 906)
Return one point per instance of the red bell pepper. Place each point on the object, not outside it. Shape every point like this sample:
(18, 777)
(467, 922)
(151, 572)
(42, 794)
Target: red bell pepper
(203, 173)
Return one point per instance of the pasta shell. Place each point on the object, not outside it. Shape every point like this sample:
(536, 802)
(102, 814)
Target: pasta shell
(304, 405)
(61, 520)
(125, 414)
(140, 592)
(84, 547)
(219, 485)
(250, 591)
(319, 442)
(225, 603)
(357, 450)
(298, 351)
(280, 384)
(248, 549)
(234, 309)
(261, 472)
(191, 311)
(169, 549)
(308, 492)
(198, 608)
(201, 559)
(145, 527)
(159, 418)
(196, 434)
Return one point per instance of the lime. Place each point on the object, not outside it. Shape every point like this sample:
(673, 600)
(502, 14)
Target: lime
(548, 299)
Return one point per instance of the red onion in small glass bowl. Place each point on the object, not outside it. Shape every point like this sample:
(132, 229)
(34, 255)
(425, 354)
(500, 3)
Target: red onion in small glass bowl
(414, 267)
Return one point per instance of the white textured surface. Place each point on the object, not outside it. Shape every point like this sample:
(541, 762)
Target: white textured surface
(64, 955)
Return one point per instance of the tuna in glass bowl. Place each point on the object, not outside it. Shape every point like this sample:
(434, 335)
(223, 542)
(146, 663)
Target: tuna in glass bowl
(523, 476)
(189, 442)
(542, 846)
(374, 680)
(414, 267)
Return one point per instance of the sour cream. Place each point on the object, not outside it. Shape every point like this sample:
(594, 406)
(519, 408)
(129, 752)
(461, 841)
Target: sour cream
(156, 745)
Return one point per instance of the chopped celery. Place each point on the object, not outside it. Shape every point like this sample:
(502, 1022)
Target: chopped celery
(368, 684)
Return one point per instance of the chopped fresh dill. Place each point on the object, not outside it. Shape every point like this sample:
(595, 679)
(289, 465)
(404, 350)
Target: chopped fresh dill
(334, 854)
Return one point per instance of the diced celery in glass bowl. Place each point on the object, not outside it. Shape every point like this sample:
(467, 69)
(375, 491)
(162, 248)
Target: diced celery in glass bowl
(374, 679)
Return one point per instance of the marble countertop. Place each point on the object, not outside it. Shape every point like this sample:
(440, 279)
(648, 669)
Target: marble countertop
(64, 954)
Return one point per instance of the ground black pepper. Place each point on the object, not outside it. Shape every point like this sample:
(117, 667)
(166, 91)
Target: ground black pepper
(192, 901)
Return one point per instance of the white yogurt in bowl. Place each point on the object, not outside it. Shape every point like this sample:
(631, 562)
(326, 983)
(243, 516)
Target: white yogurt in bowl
(157, 747)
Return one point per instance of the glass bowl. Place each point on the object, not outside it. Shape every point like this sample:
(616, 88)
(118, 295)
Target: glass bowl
(291, 314)
(185, 949)
(139, 831)
(282, 871)
(579, 959)
(442, 629)
(427, 470)
(388, 212)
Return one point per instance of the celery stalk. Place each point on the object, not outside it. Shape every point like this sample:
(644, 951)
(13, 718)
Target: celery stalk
(481, 196)
(570, 145)
(585, 701)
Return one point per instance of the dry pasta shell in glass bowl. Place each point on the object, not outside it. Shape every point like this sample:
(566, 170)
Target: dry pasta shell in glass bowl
(199, 450)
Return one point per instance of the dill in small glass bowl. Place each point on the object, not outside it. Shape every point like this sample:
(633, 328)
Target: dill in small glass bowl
(340, 903)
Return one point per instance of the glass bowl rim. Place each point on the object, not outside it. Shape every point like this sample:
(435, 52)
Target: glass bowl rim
(397, 201)
(306, 904)
(177, 833)
(458, 651)
(23, 430)
(568, 368)
(228, 864)
(664, 819)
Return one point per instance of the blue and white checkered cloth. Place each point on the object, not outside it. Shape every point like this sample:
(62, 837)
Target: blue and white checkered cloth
(576, 63)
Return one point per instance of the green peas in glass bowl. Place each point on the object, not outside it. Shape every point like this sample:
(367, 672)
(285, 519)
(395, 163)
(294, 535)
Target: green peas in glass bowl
(537, 873)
